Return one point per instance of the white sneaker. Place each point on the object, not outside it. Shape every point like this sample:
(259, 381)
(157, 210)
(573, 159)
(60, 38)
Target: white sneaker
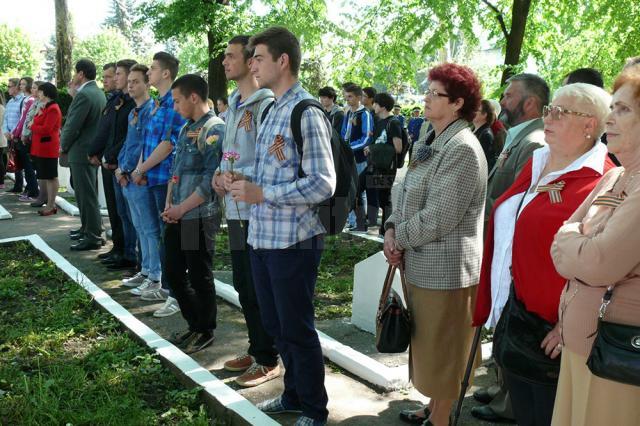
(135, 280)
(169, 308)
(154, 294)
(147, 284)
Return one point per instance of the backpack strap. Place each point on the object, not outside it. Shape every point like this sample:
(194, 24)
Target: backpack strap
(296, 125)
(202, 137)
(265, 111)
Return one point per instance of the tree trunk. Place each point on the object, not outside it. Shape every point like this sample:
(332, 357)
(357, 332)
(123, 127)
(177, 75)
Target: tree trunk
(63, 44)
(217, 79)
(519, 15)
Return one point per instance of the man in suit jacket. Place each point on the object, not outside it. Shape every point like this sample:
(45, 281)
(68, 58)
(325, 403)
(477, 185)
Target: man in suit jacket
(521, 104)
(77, 134)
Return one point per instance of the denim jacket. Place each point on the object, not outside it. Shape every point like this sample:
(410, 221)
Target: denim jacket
(193, 169)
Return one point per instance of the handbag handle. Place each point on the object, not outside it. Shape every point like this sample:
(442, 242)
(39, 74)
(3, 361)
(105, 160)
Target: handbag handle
(388, 282)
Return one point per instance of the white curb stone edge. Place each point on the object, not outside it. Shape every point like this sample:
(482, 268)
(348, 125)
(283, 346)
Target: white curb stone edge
(238, 409)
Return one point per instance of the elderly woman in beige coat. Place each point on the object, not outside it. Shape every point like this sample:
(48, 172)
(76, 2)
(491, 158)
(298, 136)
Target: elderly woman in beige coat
(599, 246)
(436, 230)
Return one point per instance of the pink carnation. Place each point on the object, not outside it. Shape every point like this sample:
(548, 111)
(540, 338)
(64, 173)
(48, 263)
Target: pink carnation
(230, 156)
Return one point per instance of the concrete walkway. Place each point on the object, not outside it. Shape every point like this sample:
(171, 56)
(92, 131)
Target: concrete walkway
(351, 401)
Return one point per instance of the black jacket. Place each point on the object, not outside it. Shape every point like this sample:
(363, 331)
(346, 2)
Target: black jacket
(485, 136)
(112, 130)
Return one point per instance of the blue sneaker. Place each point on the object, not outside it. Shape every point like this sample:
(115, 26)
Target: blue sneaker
(275, 406)
(308, 421)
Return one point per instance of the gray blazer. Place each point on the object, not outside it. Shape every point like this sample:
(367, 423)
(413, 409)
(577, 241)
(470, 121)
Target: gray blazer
(504, 173)
(438, 215)
(81, 124)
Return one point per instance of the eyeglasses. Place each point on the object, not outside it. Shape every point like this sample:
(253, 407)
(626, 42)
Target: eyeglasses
(557, 112)
(433, 93)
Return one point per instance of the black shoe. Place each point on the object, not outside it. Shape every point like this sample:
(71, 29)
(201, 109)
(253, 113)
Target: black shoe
(76, 237)
(485, 413)
(105, 254)
(114, 258)
(409, 416)
(198, 342)
(75, 231)
(84, 245)
(15, 190)
(180, 337)
(483, 396)
(122, 264)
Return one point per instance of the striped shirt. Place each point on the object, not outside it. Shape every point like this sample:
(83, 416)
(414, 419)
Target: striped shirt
(289, 212)
(12, 113)
(163, 125)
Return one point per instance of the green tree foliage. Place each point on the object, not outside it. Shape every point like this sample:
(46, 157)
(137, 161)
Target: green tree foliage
(123, 19)
(18, 55)
(104, 47)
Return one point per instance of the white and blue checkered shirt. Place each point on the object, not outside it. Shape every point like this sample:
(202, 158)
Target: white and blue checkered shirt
(289, 213)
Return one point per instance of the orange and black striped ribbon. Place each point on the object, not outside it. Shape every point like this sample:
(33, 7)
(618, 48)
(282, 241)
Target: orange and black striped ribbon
(246, 120)
(611, 200)
(277, 148)
(554, 191)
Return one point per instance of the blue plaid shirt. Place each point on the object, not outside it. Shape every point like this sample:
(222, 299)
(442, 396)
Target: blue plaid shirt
(12, 113)
(130, 152)
(289, 213)
(164, 125)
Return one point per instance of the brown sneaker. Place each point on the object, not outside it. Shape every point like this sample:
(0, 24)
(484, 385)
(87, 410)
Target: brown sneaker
(258, 374)
(240, 363)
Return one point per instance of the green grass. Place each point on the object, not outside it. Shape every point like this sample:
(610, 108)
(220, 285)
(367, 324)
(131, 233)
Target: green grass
(334, 289)
(64, 361)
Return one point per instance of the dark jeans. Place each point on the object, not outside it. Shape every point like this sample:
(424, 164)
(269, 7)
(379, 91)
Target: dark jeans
(383, 182)
(365, 185)
(3, 164)
(532, 404)
(117, 235)
(22, 152)
(128, 231)
(190, 245)
(261, 345)
(285, 281)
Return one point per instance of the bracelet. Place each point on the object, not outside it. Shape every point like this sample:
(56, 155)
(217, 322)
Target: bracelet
(138, 172)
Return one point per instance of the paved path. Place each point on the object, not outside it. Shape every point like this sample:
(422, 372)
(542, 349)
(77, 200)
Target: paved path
(351, 401)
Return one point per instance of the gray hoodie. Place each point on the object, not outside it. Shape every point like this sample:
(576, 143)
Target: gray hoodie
(241, 130)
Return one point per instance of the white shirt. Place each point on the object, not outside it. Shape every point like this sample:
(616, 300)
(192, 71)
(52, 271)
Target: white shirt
(504, 221)
(513, 132)
(84, 84)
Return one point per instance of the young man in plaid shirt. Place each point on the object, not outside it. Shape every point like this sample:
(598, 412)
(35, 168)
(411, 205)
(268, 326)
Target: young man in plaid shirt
(285, 232)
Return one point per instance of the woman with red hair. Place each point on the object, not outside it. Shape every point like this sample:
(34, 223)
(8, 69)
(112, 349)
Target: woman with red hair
(436, 231)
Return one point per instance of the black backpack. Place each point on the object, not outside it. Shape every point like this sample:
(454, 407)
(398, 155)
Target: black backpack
(405, 145)
(333, 211)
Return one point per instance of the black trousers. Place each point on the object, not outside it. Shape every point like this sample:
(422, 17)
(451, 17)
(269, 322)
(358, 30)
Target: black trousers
(365, 184)
(261, 344)
(117, 234)
(383, 182)
(3, 164)
(189, 248)
(532, 404)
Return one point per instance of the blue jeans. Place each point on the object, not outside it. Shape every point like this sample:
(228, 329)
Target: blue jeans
(159, 197)
(285, 282)
(128, 230)
(147, 225)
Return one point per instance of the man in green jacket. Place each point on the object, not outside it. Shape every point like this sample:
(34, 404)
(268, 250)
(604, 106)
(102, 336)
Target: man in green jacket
(77, 134)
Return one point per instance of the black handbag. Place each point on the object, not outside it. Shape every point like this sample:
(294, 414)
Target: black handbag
(393, 321)
(516, 344)
(615, 354)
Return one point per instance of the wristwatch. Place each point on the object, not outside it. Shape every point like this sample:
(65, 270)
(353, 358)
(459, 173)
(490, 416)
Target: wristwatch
(138, 172)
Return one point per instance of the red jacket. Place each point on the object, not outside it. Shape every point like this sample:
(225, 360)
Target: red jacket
(536, 281)
(45, 132)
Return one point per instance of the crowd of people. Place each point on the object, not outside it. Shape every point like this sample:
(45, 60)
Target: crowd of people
(509, 208)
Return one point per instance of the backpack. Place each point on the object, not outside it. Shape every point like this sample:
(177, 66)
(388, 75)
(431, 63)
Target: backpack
(405, 145)
(333, 211)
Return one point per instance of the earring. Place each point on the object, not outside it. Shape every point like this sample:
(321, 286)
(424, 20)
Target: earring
(587, 135)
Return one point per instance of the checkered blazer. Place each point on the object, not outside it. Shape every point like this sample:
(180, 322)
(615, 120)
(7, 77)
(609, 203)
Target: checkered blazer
(438, 216)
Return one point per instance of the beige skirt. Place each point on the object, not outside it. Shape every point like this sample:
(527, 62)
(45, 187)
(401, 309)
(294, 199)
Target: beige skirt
(441, 340)
(583, 399)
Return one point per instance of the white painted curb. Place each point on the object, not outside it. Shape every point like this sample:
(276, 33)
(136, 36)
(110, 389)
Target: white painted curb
(228, 397)
(363, 366)
(4, 214)
(366, 236)
(72, 209)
